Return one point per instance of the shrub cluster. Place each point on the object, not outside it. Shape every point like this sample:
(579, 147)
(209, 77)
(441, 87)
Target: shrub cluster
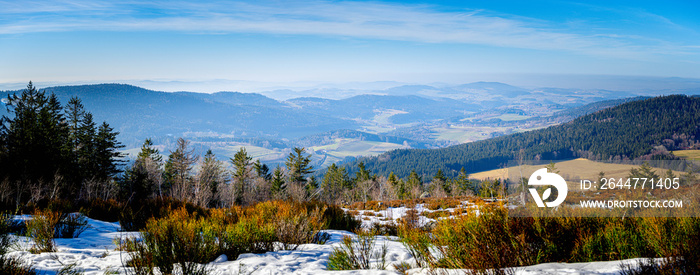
(49, 224)
(176, 241)
(135, 216)
(461, 242)
(334, 216)
(358, 253)
(186, 240)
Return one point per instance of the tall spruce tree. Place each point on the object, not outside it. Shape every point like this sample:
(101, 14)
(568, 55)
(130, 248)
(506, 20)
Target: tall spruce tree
(298, 165)
(87, 148)
(106, 154)
(262, 170)
(242, 165)
(277, 183)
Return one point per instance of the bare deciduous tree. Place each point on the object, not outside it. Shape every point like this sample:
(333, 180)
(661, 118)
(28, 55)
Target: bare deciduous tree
(211, 178)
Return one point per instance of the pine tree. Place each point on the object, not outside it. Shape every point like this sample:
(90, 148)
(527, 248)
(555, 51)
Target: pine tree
(414, 185)
(262, 170)
(442, 182)
(145, 177)
(87, 148)
(644, 171)
(277, 183)
(242, 165)
(335, 180)
(463, 183)
(363, 174)
(48, 150)
(148, 151)
(106, 154)
(551, 167)
(74, 113)
(33, 143)
(298, 165)
(669, 174)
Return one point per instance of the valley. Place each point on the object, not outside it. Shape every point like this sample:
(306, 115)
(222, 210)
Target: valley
(365, 123)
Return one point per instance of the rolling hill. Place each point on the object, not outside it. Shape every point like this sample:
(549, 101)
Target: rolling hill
(638, 129)
(138, 113)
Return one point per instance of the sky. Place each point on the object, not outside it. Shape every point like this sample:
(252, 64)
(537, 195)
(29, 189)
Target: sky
(92, 41)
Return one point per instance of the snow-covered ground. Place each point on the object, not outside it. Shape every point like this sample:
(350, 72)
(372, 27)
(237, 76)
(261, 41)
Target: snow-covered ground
(94, 253)
(393, 214)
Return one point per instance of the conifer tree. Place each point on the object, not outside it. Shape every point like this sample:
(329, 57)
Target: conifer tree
(87, 147)
(262, 170)
(33, 143)
(335, 180)
(145, 177)
(51, 151)
(363, 174)
(277, 183)
(106, 154)
(298, 165)
(242, 165)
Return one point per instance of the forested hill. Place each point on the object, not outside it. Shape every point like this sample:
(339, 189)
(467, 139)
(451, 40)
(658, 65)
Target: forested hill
(138, 113)
(635, 129)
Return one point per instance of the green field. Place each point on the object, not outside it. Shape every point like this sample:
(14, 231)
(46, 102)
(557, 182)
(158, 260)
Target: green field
(381, 122)
(462, 134)
(384, 116)
(352, 148)
(512, 117)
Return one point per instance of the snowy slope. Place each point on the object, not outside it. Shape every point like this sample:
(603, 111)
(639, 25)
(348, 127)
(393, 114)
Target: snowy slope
(94, 253)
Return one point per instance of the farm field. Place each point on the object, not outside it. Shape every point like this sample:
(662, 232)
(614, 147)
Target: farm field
(688, 154)
(571, 170)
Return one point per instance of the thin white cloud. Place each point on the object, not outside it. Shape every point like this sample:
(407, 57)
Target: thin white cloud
(364, 20)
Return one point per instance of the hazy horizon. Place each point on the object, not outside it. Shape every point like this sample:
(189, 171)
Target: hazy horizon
(645, 85)
(248, 46)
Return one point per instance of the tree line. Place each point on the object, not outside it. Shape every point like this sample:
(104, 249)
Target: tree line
(208, 182)
(50, 151)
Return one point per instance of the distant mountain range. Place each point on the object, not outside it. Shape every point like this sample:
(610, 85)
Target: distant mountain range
(414, 116)
(138, 113)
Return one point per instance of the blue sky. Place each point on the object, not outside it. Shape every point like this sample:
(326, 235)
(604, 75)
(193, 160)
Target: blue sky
(344, 41)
